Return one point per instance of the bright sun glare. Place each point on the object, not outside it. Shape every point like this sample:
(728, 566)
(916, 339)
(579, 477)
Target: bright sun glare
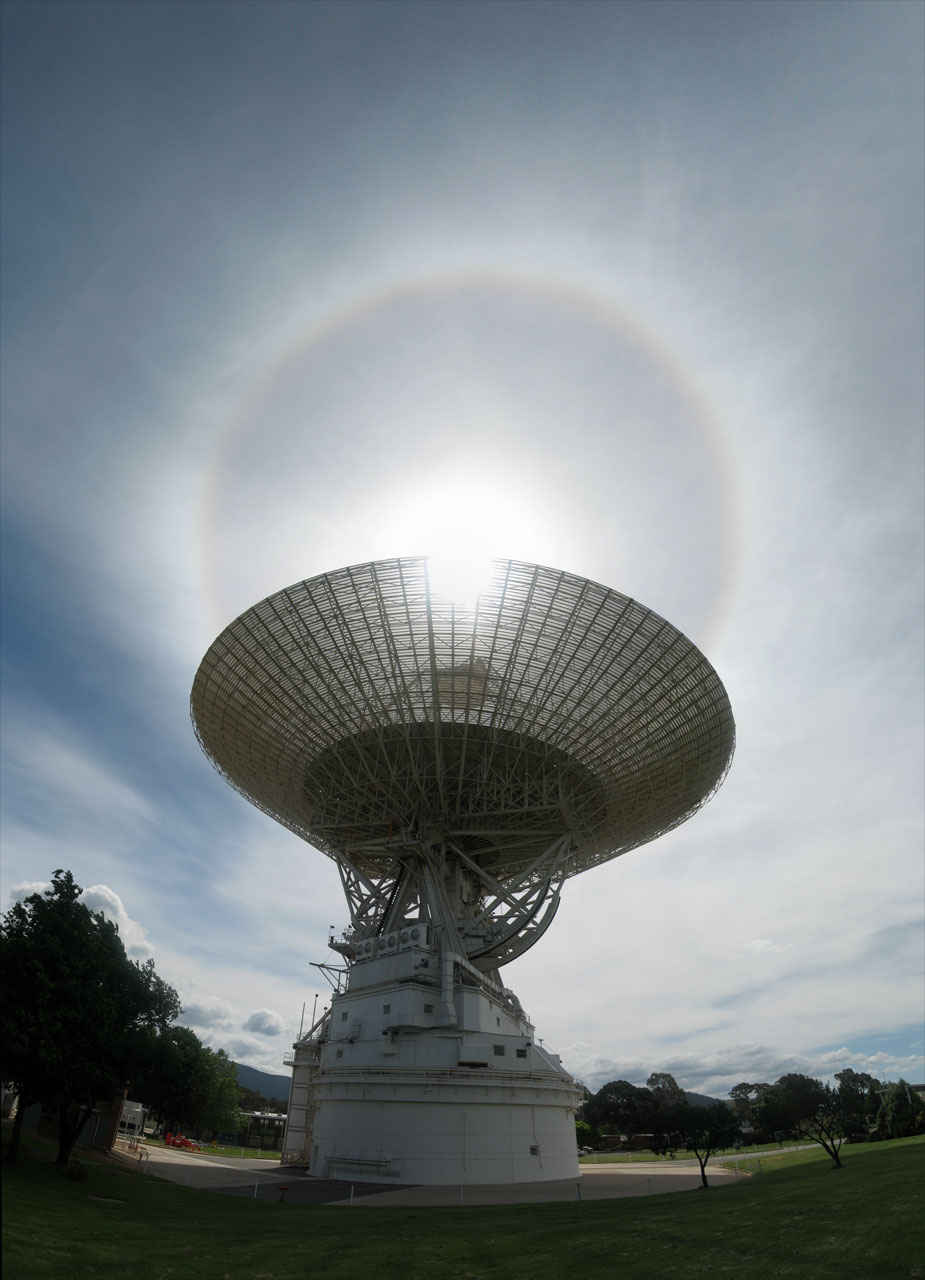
(462, 528)
(459, 576)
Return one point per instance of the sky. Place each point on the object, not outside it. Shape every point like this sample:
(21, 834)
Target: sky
(631, 290)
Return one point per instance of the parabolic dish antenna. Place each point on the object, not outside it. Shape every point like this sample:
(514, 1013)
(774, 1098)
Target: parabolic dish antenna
(458, 761)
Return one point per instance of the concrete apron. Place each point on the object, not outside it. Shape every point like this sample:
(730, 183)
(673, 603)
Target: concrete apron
(262, 1180)
(597, 1182)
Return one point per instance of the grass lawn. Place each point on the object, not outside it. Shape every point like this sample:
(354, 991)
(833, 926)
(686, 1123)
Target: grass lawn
(647, 1156)
(232, 1153)
(804, 1219)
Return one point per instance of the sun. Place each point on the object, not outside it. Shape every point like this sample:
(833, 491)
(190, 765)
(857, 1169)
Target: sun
(459, 577)
(462, 523)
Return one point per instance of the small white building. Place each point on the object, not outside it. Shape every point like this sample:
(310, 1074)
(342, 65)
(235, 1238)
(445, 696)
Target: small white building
(132, 1121)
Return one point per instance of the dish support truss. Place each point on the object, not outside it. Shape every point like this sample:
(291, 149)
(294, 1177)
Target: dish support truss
(435, 881)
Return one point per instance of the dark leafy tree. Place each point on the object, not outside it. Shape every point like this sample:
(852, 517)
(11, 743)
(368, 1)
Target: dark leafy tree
(665, 1089)
(620, 1107)
(858, 1099)
(585, 1135)
(220, 1101)
(75, 1010)
(744, 1096)
(252, 1100)
(668, 1109)
(902, 1112)
(187, 1085)
(705, 1130)
(806, 1108)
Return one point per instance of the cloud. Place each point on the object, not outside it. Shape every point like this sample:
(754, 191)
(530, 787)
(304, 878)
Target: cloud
(25, 890)
(717, 1071)
(69, 788)
(99, 897)
(275, 876)
(208, 1013)
(184, 437)
(254, 1052)
(764, 946)
(265, 1023)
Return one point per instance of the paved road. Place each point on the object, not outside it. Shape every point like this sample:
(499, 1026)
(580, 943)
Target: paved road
(262, 1179)
(257, 1179)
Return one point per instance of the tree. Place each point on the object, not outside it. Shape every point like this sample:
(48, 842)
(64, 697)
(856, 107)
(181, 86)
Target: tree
(253, 1100)
(585, 1136)
(220, 1102)
(620, 1107)
(859, 1100)
(668, 1108)
(184, 1083)
(74, 1008)
(744, 1096)
(665, 1089)
(705, 1130)
(808, 1109)
(902, 1112)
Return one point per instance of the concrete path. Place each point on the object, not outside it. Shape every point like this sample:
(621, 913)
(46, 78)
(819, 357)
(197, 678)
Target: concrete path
(256, 1179)
(603, 1182)
(262, 1179)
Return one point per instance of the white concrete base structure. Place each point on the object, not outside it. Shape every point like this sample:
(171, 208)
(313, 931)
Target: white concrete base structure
(425, 1071)
(474, 1132)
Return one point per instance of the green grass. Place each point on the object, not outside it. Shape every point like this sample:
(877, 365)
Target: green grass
(803, 1221)
(775, 1160)
(232, 1153)
(629, 1157)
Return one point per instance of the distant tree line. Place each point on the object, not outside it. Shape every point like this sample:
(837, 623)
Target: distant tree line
(82, 1023)
(857, 1108)
(660, 1116)
(252, 1100)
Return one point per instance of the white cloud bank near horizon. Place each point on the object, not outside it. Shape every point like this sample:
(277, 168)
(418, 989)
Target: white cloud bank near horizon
(631, 290)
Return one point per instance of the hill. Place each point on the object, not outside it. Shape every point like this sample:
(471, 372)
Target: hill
(701, 1099)
(268, 1086)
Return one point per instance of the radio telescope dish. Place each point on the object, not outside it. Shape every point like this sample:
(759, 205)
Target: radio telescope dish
(459, 761)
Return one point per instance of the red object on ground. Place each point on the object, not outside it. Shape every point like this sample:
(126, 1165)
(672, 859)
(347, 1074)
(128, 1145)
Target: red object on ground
(282, 1194)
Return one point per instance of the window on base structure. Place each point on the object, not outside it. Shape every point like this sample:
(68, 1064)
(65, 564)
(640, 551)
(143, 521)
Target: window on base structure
(340, 1053)
(428, 1008)
(343, 1017)
(498, 1021)
(498, 1050)
(534, 1150)
(521, 1053)
(386, 1008)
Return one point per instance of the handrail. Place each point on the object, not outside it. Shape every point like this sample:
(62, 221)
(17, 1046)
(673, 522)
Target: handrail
(453, 1075)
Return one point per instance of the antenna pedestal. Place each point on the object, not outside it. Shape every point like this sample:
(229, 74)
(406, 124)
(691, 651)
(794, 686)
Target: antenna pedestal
(426, 1071)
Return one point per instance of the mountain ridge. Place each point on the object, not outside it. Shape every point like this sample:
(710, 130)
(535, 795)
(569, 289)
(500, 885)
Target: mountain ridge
(263, 1082)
